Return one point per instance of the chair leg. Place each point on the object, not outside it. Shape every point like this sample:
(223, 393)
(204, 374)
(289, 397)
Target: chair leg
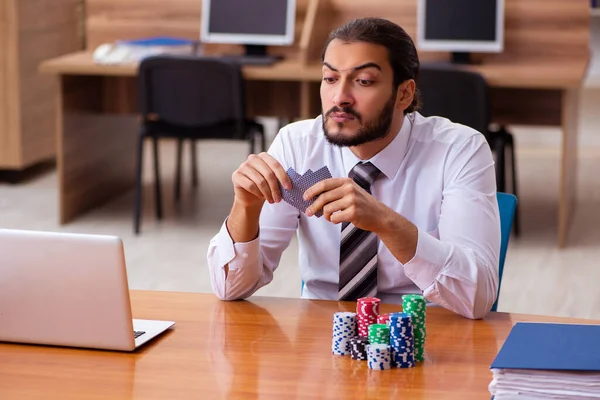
(194, 163)
(513, 168)
(157, 180)
(263, 144)
(500, 148)
(178, 169)
(138, 185)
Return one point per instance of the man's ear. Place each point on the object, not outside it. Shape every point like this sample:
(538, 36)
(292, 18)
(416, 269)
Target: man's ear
(405, 94)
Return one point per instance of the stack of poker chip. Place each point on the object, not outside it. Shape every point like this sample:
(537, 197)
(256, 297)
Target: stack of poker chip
(383, 319)
(415, 305)
(344, 329)
(367, 310)
(402, 340)
(379, 334)
(379, 356)
(358, 348)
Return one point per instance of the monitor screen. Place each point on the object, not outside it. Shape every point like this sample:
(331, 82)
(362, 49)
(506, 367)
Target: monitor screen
(251, 22)
(461, 25)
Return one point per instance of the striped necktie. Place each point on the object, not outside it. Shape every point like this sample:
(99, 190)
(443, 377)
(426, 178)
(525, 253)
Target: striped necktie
(358, 251)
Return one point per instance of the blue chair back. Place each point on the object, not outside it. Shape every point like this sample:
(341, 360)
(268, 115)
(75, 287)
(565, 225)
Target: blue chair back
(507, 203)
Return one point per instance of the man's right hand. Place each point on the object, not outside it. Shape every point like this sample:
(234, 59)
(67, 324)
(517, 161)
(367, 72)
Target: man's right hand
(256, 180)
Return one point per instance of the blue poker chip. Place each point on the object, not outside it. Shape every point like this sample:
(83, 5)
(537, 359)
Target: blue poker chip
(379, 356)
(402, 340)
(344, 329)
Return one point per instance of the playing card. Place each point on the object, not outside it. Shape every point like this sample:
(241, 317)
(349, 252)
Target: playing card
(311, 178)
(293, 174)
(300, 183)
(294, 195)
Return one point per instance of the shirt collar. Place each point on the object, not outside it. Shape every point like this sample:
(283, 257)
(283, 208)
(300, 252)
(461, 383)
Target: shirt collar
(390, 158)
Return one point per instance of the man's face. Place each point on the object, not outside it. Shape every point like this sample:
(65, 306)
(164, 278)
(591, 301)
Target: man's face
(357, 93)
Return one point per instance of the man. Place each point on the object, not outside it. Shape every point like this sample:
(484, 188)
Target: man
(411, 207)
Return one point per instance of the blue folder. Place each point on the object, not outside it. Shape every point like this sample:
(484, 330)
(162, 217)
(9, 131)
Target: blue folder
(556, 347)
(159, 41)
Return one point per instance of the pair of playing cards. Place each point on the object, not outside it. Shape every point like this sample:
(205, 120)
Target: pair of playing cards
(301, 183)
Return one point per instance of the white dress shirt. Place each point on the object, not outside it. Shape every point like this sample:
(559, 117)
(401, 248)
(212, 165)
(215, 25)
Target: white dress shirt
(437, 174)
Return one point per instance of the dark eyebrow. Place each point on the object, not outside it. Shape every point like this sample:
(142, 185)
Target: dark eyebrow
(362, 66)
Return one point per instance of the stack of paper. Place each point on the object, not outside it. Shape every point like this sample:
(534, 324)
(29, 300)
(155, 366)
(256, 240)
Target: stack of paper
(548, 361)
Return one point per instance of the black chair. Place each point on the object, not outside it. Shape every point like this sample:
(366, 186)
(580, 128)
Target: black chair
(189, 98)
(462, 96)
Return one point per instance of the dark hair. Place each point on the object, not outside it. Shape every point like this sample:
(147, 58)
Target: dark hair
(402, 53)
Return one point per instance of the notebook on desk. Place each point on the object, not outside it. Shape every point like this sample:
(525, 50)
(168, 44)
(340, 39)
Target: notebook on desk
(68, 289)
(546, 360)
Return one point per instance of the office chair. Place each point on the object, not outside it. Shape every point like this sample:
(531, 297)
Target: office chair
(462, 96)
(507, 204)
(189, 98)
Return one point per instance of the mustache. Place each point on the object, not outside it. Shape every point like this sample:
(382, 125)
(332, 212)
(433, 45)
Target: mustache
(346, 110)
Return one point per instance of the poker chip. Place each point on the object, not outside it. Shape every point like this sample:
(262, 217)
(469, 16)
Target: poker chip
(367, 310)
(416, 305)
(383, 319)
(358, 348)
(402, 340)
(344, 329)
(379, 334)
(379, 356)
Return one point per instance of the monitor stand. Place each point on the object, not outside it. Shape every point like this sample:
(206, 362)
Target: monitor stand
(255, 50)
(259, 51)
(461, 58)
(253, 55)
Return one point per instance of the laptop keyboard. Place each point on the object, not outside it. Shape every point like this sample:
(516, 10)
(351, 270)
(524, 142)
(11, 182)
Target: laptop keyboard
(137, 334)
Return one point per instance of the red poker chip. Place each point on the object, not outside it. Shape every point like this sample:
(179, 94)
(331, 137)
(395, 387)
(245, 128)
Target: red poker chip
(369, 300)
(367, 313)
(383, 318)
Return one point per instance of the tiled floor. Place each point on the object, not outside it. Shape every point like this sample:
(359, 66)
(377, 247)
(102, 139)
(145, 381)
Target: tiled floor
(171, 255)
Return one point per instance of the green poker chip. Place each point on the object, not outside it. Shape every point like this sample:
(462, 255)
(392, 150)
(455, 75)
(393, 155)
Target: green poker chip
(416, 306)
(379, 334)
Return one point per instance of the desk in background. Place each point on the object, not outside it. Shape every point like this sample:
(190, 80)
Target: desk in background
(263, 348)
(97, 121)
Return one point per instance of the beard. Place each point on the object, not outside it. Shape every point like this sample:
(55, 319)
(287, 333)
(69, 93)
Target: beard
(370, 131)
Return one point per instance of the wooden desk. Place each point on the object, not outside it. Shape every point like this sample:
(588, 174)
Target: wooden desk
(81, 63)
(97, 124)
(264, 348)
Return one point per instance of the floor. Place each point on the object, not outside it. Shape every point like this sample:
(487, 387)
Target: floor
(171, 255)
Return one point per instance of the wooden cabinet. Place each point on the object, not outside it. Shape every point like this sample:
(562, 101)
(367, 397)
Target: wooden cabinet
(32, 31)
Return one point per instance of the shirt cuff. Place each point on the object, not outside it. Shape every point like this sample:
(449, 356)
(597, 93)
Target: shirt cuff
(236, 255)
(428, 261)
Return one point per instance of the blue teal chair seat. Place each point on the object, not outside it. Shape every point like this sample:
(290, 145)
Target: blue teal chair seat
(507, 203)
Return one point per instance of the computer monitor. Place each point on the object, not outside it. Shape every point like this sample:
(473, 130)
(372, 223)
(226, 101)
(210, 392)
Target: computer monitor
(461, 27)
(252, 23)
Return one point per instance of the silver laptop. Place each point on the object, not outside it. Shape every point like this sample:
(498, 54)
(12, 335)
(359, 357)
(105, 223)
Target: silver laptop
(68, 289)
